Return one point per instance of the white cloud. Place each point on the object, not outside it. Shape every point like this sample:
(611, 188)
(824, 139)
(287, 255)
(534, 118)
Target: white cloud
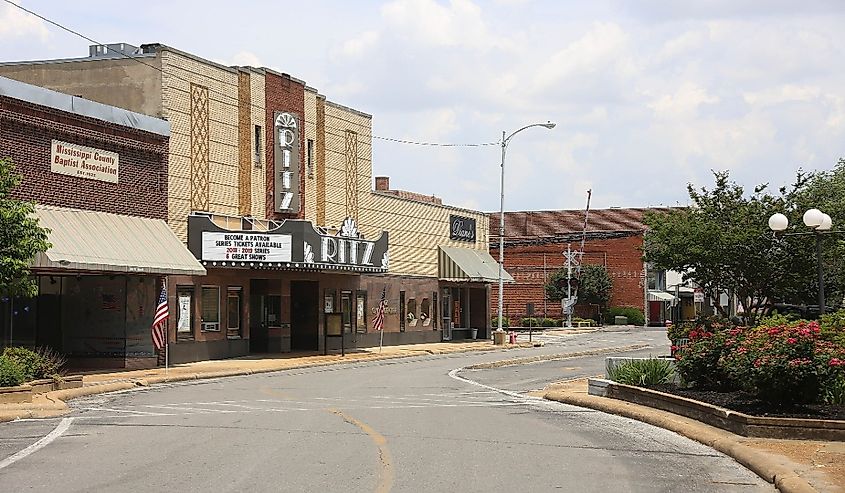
(360, 45)
(601, 49)
(684, 103)
(427, 22)
(246, 58)
(15, 23)
(782, 94)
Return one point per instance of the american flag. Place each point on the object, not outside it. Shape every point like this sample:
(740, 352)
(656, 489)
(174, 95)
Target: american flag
(159, 329)
(378, 322)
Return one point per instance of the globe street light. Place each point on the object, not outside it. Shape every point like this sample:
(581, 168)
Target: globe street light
(505, 142)
(820, 223)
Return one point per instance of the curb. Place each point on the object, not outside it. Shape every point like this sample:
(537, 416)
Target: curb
(57, 398)
(784, 478)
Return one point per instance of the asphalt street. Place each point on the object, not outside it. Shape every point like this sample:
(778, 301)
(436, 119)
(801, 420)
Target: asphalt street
(414, 424)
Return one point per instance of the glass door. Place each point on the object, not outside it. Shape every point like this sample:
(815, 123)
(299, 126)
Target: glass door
(446, 299)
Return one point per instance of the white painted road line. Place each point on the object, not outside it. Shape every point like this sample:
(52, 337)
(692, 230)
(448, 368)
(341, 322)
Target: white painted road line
(56, 433)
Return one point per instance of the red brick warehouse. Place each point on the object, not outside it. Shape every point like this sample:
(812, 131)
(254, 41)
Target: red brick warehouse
(534, 245)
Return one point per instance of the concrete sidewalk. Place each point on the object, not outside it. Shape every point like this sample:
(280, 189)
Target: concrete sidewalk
(52, 404)
(793, 466)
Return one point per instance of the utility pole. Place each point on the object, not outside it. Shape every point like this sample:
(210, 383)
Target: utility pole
(570, 302)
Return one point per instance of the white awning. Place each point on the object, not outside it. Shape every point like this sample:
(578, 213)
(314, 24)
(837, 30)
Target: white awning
(660, 296)
(468, 265)
(90, 241)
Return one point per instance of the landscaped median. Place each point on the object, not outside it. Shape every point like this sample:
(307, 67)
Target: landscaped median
(649, 409)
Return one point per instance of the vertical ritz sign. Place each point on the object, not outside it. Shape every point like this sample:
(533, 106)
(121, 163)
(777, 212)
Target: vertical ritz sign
(286, 163)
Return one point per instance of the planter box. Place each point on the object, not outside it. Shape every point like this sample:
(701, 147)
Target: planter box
(42, 386)
(16, 395)
(70, 382)
(735, 422)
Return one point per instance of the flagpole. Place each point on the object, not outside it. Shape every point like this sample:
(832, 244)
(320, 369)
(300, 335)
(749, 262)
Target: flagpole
(166, 338)
(380, 339)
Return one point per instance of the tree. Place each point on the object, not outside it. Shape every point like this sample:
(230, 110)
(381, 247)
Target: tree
(722, 242)
(21, 238)
(596, 285)
(593, 285)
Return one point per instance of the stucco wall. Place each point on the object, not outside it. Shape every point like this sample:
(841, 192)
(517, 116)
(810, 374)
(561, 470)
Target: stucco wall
(119, 82)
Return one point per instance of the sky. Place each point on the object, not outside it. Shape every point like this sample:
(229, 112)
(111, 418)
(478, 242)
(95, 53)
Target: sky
(647, 95)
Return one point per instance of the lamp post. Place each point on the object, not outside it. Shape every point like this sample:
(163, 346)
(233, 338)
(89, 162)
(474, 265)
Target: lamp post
(505, 142)
(819, 222)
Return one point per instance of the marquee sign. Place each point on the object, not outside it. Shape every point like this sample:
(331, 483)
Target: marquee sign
(286, 160)
(246, 246)
(294, 244)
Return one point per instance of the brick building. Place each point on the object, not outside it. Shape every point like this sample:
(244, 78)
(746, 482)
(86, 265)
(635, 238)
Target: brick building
(99, 177)
(259, 156)
(536, 240)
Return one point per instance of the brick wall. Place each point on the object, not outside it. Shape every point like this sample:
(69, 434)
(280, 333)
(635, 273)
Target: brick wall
(26, 134)
(284, 94)
(621, 256)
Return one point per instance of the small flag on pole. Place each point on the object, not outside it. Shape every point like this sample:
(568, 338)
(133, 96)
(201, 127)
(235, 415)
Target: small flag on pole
(159, 329)
(378, 322)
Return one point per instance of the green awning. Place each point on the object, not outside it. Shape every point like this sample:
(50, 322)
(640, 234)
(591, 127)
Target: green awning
(468, 265)
(88, 241)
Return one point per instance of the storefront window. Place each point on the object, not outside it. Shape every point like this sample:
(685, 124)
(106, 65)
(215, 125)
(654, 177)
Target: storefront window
(412, 312)
(346, 310)
(210, 308)
(361, 312)
(425, 312)
(233, 303)
(185, 308)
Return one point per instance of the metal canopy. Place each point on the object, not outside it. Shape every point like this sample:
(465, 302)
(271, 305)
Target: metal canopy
(660, 296)
(467, 264)
(100, 242)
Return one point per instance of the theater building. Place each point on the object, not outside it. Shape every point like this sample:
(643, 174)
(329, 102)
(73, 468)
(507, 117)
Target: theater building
(99, 177)
(270, 185)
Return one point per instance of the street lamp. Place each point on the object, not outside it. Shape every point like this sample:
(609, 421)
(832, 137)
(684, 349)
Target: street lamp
(505, 142)
(819, 222)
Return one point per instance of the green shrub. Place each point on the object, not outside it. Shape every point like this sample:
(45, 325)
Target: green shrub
(643, 372)
(550, 322)
(10, 372)
(494, 322)
(530, 322)
(834, 391)
(832, 327)
(635, 315)
(698, 362)
(776, 319)
(28, 361)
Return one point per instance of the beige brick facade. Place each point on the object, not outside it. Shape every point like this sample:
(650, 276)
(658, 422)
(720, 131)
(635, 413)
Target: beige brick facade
(416, 228)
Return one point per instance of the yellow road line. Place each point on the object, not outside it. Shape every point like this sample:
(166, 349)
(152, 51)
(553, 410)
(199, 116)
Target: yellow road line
(386, 476)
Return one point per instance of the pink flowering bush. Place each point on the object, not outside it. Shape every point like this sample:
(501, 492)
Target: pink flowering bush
(782, 364)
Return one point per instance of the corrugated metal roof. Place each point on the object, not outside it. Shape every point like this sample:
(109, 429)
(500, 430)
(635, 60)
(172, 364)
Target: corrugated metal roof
(467, 264)
(102, 242)
(81, 106)
(552, 223)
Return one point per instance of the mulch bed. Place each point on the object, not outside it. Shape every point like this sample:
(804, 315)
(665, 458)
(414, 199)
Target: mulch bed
(746, 403)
